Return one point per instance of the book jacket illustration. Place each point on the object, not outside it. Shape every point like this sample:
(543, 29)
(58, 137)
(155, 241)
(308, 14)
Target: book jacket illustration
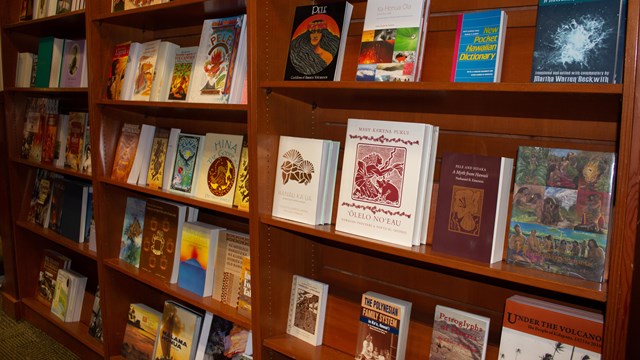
(458, 335)
(159, 239)
(146, 68)
(157, 160)
(74, 59)
(241, 196)
(131, 239)
(579, 41)
(117, 72)
(184, 168)
(219, 168)
(140, 332)
(561, 209)
(75, 138)
(315, 42)
(125, 151)
(178, 334)
(181, 73)
(306, 309)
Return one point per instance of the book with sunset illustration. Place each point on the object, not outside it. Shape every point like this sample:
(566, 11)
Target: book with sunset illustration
(197, 257)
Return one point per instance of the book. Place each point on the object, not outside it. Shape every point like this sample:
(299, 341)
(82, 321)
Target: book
(232, 247)
(117, 5)
(140, 167)
(143, 323)
(40, 205)
(26, 10)
(95, 324)
(133, 224)
(198, 260)
(215, 61)
(383, 326)
(180, 79)
(458, 334)
(161, 239)
(244, 295)
(23, 69)
(318, 38)
(187, 158)
(579, 41)
(479, 47)
(179, 332)
(75, 138)
(156, 167)
(125, 151)
(73, 71)
(162, 74)
(46, 46)
(561, 209)
(241, 196)
(85, 158)
(62, 6)
(393, 40)
(383, 190)
(145, 70)
(134, 4)
(39, 9)
(60, 149)
(69, 208)
(131, 71)
(537, 329)
(307, 306)
(69, 295)
(52, 261)
(170, 158)
(218, 169)
(221, 339)
(56, 62)
(49, 138)
(34, 128)
(118, 69)
(473, 205)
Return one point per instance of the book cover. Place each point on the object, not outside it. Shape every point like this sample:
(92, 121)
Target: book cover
(59, 155)
(215, 61)
(131, 239)
(561, 209)
(318, 37)
(244, 295)
(458, 335)
(75, 138)
(188, 153)
(125, 151)
(392, 40)
(143, 323)
(472, 207)
(52, 261)
(95, 324)
(40, 174)
(161, 239)
(307, 308)
(34, 128)
(117, 5)
(218, 169)
(117, 71)
(49, 138)
(536, 329)
(221, 339)
(134, 4)
(26, 10)
(144, 70)
(69, 204)
(579, 41)
(63, 6)
(73, 63)
(198, 260)
(179, 332)
(164, 65)
(56, 62)
(477, 54)
(140, 166)
(56, 203)
(241, 196)
(45, 58)
(40, 205)
(61, 296)
(157, 159)
(170, 158)
(383, 327)
(85, 158)
(383, 180)
(232, 247)
(180, 81)
(39, 9)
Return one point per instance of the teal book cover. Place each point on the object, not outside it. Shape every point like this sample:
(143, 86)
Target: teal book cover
(184, 169)
(131, 239)
(45, 53)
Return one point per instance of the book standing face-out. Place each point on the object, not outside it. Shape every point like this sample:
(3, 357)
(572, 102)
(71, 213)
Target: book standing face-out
(140, 333)
(178, 334)
(307, 309)
(198, 248)
(131, 240)
(233, 246)
(185, 167)
(219, 165)
(458, 335)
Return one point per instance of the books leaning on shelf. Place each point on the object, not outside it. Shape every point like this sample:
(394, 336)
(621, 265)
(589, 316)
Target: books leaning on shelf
(132, 228)
(536, 329)
(387, 177)
(143, 323)
(561, 209)
(185, 167)
(477, 53)
(198, 257)
(473, 204)
(384, 325)
(73, 70)
(69, 295)
(307, 307)
(458, 334)
(305, 179)
(125, 151)
(23, 69)
(52, 262)
(222, 339)
(69, 208)
(74, 149)
(40, 204)
(233, 246)
(144, 69)
(95, 325)
(318, 38)
(393, 40)
(244, 294)
(179, 83)
(49, 60)
(154, 175)
(164, 66)
(241, 197)
(561, 53)
(123, 54)
(218, 169)
(40, 129)
(179, 332)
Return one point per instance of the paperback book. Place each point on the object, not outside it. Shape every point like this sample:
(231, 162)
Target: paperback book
(73, 72)
(131, 239)
(125, 151)
(52, 262)
(95, 325)
(458, 335)
(188, 153)
(307, 308)
(198, 257)
(241, 196)
(233, 246)
(140, 332)
(178, 334)
(222, 339)
(157, 159)
(144, 70)
(218, 173)
(244, 295)
(180, 78)
(75, 138)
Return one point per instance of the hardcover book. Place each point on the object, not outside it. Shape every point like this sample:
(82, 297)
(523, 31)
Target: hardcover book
(307, 308)
(140, 332)
(393, 40)
(132, 227)
(75, 137)
(215, 61)
(155, 174)
(40, 205)
(48, 49)
(241, 196)
(188, 153)
(198, 260)
(473, 204)
(179, 332)
(384, 326)
(536, 329)
(73, 72)
(180, 80)
(218, 169)
(52, 261)
(318, 38)
(125, 151)
(477, 53)
(144, 70)
(579, 41)
(232, 247)
(458, 335)
(561, 209)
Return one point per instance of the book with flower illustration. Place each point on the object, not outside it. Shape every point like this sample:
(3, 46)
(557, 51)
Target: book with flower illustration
(561, 209)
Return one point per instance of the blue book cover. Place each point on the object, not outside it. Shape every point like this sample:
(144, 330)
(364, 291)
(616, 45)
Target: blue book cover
(479, 46)
(184, 169)
(131, 239)
(197, 257)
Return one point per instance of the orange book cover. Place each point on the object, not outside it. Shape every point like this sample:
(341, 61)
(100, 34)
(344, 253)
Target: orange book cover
(125, 151)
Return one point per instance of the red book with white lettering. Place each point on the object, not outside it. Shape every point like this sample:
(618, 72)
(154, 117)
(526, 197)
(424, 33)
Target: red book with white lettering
(458, 334)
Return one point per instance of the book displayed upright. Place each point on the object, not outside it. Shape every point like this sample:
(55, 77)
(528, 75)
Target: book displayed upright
(125, 151)
(52, 262)
(233, 246)
(164, 66)
(178, 334)
(157, 159)
(383, 326)
(198, 259)
(144, 71)
(473, 204)
(218, 169)
(307, 308)
(579, 41)
(118, 70)
(69, 295)
(140, 332)
(69, 208)
(561, 209)
(393, 40)
(222, 339)
(133, 224)
(73, 71)
(241, 196)
(536, 329)
(244, 295)
(458, 334)
(318, 38)
(75, 138)
(49, 54)
(477, 54)
(187, 159)
(177, 89)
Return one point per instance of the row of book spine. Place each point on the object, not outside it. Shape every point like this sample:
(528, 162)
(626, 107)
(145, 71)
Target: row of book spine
(38, 9)
(59, 63)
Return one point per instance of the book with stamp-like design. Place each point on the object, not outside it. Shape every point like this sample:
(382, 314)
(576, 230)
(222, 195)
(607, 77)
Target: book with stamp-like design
(473, 205)
(185, 167)
(458, 335)
(307, 308)
(218, 168)
(125, 151)
(133, 224)
(232, 247)
(157, 159)
(241, 197)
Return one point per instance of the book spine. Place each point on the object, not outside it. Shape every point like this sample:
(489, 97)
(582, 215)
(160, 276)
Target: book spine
(456, 48)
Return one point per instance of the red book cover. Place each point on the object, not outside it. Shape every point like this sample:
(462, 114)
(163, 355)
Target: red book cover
(125, 151)
(75, 138)
(50, 134)
(116, 74)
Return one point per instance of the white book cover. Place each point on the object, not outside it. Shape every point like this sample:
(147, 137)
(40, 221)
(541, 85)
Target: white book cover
(381, 179)
(307, 308)
(330, 181)
(130, 71)
(232, 247)
(56, 62)
(23, 69)
(142, 153)
(170, 158)
(429, 183)
(144, 70)
(218, 172)
(458, 334)
(164, 65)
(299, 179)
(240, 73)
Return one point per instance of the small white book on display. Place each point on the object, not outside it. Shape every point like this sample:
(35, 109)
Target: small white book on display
(384, 180)
(307, 308)
(170, 158)
(300, 183)
(142, 153)
(130, 71)
(144, 70)
(218, 172)
(163, 69)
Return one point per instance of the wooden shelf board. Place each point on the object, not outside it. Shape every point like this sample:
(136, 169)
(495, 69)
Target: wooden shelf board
(65, 25)
(298, 349)
(53, 168)
(49, 91)
(423, 254)
(206, 303)
(227, 112)
(80, 248)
